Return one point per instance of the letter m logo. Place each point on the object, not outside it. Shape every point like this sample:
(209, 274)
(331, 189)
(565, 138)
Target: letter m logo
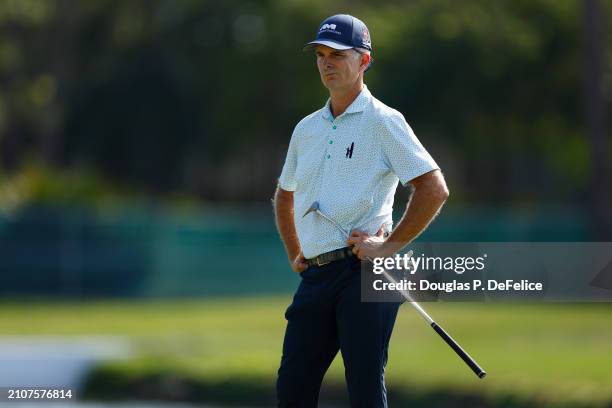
(327, 27)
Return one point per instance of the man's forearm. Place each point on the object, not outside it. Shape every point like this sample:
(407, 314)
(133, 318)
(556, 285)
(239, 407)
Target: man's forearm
(283, 212)
(424, 205)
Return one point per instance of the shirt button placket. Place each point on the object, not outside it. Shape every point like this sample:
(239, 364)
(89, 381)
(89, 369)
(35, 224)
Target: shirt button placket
(331, 141)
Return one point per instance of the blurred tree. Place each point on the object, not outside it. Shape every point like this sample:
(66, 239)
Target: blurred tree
(595, 117)
(201, 97)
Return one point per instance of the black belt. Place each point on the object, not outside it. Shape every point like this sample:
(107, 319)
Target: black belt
(330, 256)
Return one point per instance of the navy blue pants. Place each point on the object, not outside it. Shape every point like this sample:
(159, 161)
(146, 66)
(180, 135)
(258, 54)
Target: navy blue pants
(327, 315)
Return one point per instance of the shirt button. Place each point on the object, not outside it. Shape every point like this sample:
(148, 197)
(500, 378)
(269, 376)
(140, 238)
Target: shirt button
(328, 156)
(331, 142)
(334, 127)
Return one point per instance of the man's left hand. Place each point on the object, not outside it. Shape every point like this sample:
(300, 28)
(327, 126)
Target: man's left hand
(367, 246)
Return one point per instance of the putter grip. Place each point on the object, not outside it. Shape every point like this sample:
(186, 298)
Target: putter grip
(464, 356)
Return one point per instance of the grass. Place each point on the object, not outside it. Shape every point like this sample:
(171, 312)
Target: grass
(545, 353)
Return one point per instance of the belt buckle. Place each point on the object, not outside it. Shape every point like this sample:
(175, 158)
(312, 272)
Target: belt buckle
(319, 263)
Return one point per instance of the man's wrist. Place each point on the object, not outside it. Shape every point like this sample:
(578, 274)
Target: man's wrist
(390, 248)
(292, 256)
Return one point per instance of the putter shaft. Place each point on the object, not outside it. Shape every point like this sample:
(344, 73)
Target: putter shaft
(438, 329)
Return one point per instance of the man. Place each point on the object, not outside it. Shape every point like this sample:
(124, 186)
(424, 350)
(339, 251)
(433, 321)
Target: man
(349, 156)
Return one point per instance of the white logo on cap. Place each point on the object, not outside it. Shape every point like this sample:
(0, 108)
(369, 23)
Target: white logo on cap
(327, 27)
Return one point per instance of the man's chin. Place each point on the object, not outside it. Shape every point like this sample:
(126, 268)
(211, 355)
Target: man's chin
(330, 84)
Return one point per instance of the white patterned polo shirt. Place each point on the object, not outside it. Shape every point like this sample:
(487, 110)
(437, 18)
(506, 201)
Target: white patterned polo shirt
(351, 165)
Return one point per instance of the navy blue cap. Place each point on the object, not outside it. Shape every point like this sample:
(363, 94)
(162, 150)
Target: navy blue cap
(342, 32)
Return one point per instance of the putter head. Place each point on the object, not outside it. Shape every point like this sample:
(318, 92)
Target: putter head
(313, 208)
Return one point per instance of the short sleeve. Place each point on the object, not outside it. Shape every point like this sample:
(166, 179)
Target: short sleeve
(402, 151)
(286, 180)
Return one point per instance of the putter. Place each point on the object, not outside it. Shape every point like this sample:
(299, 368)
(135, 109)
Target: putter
(437, 328)
(315, 208)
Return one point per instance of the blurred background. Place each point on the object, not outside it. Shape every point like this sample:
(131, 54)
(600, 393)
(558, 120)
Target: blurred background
(140, 143)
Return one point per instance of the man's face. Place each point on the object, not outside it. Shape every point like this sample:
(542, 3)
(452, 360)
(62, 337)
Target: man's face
(339, 69)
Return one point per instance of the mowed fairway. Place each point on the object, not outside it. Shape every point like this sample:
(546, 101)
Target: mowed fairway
(552, 353)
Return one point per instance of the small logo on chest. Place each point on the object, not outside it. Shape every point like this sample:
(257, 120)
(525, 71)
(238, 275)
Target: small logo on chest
(349, 151)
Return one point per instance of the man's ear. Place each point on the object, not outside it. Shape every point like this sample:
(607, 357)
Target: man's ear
(365, 60)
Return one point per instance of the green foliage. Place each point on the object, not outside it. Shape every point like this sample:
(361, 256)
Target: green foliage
(38, 184)
(201, 97)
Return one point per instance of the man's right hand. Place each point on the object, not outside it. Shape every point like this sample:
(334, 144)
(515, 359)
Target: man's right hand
(299, 264)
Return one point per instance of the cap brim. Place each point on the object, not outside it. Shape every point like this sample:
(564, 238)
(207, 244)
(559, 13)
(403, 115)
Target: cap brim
(332, 44)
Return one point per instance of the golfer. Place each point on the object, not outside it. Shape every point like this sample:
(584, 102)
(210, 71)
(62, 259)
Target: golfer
(348, 157)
